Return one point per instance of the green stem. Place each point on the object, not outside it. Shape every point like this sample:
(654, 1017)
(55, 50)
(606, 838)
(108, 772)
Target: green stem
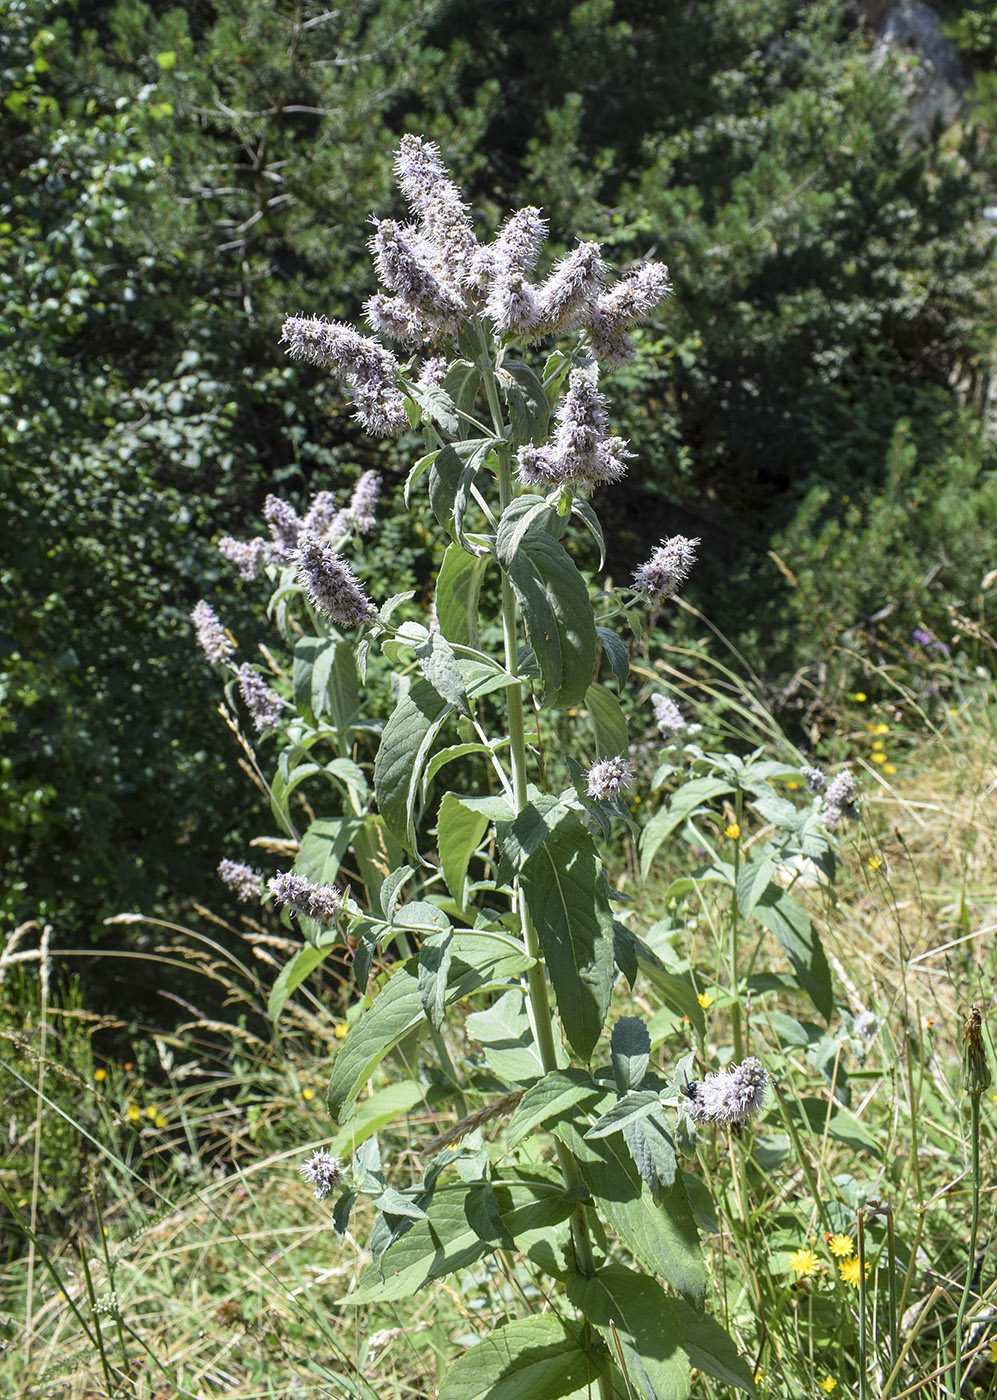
(735, 921)
(539, 994)
(974, 1228)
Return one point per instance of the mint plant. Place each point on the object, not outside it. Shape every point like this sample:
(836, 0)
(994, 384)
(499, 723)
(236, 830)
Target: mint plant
(491, 897)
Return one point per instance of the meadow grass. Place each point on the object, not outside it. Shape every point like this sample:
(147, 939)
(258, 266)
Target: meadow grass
(159, 1240)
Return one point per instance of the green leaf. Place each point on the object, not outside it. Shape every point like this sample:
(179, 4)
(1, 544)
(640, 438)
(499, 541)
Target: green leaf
(462, 382)
(478, 962)
(660, 1230)
(421, 467)
(439, 666)
(326, 682)
(616, 654)
(434, 968)
(753, 880)
(630, 1051)
(634, 1311)
(534, 1358)
(437, 404)
(521, 516)
(527, 402)
(390, 887)
(565, 891)
(541, 816)
(629, 1109)
(382, 1107)
(812, 1115)
(458, 585)
(459, 830)
(583, 509)
(652, 1151)
(608, 721)
(689, 798)
(463, 1223)
(557, 613)
(292, 975)
(633, 954)
(506, 1038)
(546, 1102)
(783, 916)
(404, 750)
(323, 847)
(450, 480)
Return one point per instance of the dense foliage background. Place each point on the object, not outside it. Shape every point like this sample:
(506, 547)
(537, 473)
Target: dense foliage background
(176, 180)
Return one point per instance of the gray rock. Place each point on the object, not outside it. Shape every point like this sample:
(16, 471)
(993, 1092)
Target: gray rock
(935, 78)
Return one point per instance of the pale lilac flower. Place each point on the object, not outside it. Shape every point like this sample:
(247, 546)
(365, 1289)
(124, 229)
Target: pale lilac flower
(404, 272)
(511, 306)
(583, 454)
(285, 527)
(839, 798)
(815, 780)
(519, 241)
(363, 502)
(212, 638)
(632, 299)
(249, 556)
(866, 1024)
(245, 882)
(608, 778)
(433, 372)
(322, 511)
(368, 368)
(668, 716)
(331, 585)
(729, 1097)
(324, 1172)
(264, 705)
(395, 318)
(320, 902)
(435, 198)
(570, 291)
(666, 570)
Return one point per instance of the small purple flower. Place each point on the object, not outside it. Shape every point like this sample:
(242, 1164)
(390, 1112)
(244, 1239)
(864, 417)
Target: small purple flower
(212, 638)
(319, 902)
(249, 556)
(331, 585)
(866, 1024)
(264, 705)
(729, 1097)
(434, 197)
(404, 272)
(285, 527)
(632, 299)
(608, 778)
(322, 511)
(323, 1171)
(433, 372)
(245, 882)
(815, 780)
(839, 799)
(363, 502)
(570, 291)
(668, 716)
(368, 368)
(666, 570)
(583, 454)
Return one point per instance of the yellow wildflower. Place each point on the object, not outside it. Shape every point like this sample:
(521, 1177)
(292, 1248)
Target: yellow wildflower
(840, 1246)
(879, 757)
(342, 1030)
(874, 862)
(849, 1271)
(151, 1112)
(878, 744)
(861, 696)
(308, 1095)
(828, 1384)
(889, 768)
(160, 1121)
(793, 784)
(705, 1000)
(993, 1351)
(733, 831)
(134, 1112)
(100, 1075)
(805, 1263)
(881, 729)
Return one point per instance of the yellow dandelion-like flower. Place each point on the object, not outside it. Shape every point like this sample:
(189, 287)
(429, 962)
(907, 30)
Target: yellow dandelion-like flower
(792, 784)
(342, 1030)
(861, 697)
(929, 1022)
(889, 768)
(733, 831)
(879, 757)
(849, 1271)
(881, 729)
(805, 1263)
(151, 1112)
(828, 1384)
(308, 1095)
(993, 1351)
(100, 1075)
(134, 1112)
(874, 862)
(840, 1246)
(160, 1121)
(879, 744)
(705, 1000)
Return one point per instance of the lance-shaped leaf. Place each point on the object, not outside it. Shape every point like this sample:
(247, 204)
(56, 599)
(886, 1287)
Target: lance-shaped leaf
(630, 1050)
(457, 587)
(565, 891)
(780, 913)
(404, 750)
(434, 968)
(629, 1109)
(326, 682)
(459, 829)
(548, 1101)
(608, 721)
(527, 402)
(556, 608)
(615, 653)
(292, 974)
(689, 798)
(534, 1358)
(439, 666)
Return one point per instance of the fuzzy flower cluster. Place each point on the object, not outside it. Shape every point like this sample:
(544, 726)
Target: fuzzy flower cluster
(814, 779)
(582, 453)
(669, 718)
(729, 1097)
(323, 1171)
(666, 570)
(324, 520)
(319, 902)
(245, 882)
(331, 585)
(212, 638)
(436, 277)
(265, 706)
(839, 798)
(608, 778)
